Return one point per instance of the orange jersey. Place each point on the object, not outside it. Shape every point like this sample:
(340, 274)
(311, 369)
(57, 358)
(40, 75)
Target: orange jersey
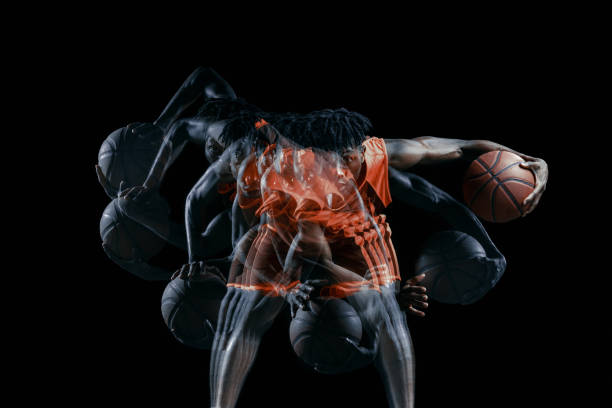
(293, 185)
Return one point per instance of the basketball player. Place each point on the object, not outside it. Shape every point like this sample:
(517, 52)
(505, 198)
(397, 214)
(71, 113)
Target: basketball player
(253, 301)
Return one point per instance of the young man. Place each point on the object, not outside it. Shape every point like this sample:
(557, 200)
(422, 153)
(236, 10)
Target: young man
(310, 217)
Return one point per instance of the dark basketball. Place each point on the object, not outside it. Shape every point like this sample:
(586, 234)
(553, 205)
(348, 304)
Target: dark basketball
(449, 260)
(128, 153)
(495, 186)
(190, 310)
(318, 336)
(124, 237)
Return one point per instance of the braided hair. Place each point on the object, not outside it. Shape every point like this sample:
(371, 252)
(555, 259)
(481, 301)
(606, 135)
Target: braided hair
(238, 115)
(327, 129)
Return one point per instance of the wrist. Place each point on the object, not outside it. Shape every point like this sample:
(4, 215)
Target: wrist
(150, 183)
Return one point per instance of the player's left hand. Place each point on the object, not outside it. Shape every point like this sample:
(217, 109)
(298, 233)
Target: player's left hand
(412, 297)
(540, 170)
(147, 208)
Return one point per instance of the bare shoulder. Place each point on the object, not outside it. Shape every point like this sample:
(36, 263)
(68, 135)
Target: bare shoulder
(222, 167)
(403, 146)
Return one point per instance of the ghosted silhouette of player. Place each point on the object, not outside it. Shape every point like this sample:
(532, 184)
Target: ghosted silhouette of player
(172, 134)
(210, 234)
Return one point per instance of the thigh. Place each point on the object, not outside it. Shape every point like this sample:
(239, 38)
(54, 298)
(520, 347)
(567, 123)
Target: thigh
(262, 268)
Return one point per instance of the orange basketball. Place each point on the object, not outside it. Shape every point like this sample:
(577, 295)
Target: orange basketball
(495, 186)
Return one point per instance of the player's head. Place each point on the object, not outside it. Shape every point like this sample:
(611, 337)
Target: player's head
(214, 146)
(332, 130)
(238, 152)
(353, 158)
(230, 120)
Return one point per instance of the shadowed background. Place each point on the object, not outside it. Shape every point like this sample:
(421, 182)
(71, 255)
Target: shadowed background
(498, 349)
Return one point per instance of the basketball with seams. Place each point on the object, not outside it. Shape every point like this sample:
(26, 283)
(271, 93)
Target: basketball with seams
(128, 153)
(318, 335)
(452, 264)
(495, 186)
(190, 310)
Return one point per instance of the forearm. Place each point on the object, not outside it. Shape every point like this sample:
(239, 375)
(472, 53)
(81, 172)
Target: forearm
(171, 147)
(216, 239)
(414, 191)
(406, 153)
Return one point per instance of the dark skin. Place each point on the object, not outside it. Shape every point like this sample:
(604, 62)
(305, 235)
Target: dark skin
(204, 131)
(151, 212)
(226, 169)
(406, 153)
(246, 315)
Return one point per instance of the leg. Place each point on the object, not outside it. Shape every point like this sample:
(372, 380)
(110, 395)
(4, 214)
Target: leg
(387, 331)
(244, 318)
(395, 362)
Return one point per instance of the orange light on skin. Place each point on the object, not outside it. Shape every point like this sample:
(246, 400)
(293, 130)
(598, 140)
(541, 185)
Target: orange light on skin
(268, 288)
(260, 123)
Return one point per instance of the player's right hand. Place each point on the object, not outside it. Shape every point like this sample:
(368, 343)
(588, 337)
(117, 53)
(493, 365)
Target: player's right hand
(198, 272)
(412, 296)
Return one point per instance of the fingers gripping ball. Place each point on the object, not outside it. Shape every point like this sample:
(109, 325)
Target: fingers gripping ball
(128, 153)
(190, 310)
(452, 262)
(495, 186)
(126, 239)
(318, 336)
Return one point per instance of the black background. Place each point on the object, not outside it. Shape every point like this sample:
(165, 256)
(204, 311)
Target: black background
(516, 346)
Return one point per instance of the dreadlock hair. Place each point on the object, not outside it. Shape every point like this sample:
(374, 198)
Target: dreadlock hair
(239, 117)
(327, 129)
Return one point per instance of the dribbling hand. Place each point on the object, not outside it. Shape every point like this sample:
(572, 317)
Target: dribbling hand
(412, 297)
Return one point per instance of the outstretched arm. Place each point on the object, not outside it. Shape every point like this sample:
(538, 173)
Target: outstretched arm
(203, 82)
(406, 153)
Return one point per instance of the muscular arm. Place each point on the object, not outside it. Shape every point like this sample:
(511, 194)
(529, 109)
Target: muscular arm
(414, 191)
(183, 131)
(202, 82)
(406, 153)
